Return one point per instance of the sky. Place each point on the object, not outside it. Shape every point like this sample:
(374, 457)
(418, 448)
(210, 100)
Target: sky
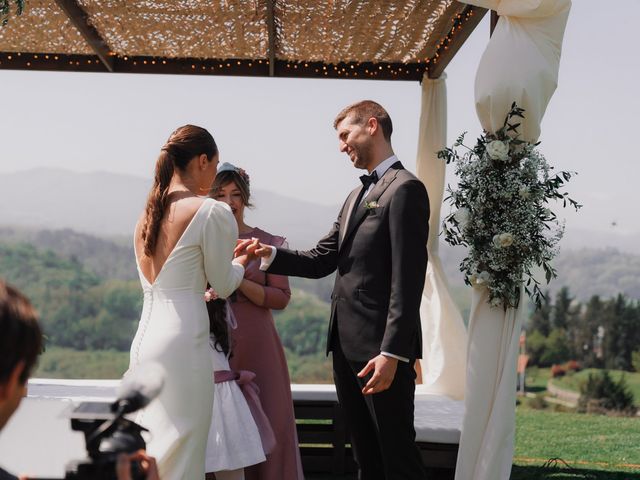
(280, 130)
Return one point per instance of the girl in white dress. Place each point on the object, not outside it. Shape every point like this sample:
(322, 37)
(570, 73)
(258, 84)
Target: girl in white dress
(182, 241)
(235, 439)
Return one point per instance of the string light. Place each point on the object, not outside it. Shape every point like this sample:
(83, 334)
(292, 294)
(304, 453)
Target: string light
(411, 70)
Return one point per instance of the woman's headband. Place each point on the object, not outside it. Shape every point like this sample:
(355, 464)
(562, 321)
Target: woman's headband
(228, 167)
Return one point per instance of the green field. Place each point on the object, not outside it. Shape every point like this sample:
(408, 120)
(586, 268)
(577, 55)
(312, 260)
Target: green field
(572, 381)
(58, 362)
(537, 378)
(591, 442)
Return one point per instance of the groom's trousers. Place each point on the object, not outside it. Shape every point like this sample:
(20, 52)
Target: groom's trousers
(381, 425)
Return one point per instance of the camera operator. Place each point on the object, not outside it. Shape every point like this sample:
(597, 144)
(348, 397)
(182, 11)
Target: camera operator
(20, 345)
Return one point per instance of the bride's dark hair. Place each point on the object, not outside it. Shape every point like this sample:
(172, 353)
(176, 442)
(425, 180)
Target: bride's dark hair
(185, 143)
(218, 328)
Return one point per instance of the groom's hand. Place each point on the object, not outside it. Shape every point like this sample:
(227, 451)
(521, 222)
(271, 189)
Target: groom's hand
(252, 247)
(384, 369)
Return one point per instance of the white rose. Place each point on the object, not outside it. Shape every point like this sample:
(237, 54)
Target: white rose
(498, 150)
(503, 240)
(473, 278)
(462, 216)
(506, 240)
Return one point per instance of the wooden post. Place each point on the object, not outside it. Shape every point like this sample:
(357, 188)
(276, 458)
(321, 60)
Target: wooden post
(271, 31)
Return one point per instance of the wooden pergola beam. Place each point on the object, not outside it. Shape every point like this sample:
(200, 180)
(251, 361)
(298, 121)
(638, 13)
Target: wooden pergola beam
(80, 20)
(471, 17)
(271, 32)
(227, 66)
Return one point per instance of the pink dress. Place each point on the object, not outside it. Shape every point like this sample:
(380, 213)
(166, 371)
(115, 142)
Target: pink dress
(256, 347)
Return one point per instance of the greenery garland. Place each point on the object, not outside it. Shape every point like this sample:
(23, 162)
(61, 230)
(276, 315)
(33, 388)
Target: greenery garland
(501, 212)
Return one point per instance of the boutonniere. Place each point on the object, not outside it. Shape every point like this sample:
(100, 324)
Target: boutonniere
(371, 205)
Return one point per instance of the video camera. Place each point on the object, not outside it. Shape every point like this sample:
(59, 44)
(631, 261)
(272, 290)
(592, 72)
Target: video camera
(108, 433)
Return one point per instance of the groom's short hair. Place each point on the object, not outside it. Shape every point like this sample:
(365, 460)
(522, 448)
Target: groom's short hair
(364, 110)
(20, 334)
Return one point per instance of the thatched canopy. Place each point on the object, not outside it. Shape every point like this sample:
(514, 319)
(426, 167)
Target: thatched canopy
(383, 39)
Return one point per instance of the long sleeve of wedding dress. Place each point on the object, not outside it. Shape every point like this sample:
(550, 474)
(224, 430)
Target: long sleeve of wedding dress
(219, 237)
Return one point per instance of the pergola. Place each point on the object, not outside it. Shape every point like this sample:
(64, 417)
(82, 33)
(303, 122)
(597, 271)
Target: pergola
(385, 40)
(379, 40)
(355, 39)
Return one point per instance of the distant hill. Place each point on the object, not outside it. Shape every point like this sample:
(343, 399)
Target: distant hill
(90, 216)
(108, 204)
(99, 203)
(106, 257)
(587, 272)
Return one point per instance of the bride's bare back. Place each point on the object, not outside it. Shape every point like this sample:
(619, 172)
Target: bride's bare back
(178, 215)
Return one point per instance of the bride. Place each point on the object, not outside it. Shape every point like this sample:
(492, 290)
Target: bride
(182, 241)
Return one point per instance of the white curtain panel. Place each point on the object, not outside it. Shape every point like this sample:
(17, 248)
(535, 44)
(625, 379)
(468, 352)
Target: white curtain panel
(520, 64)
(444, 337)
(488, 426)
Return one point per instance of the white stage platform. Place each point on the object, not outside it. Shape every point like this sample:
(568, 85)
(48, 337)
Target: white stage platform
(38, 440)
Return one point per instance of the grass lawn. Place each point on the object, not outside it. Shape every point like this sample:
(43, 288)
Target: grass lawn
(536, 379)
(573, 381)
(586, 442)
(594, 447)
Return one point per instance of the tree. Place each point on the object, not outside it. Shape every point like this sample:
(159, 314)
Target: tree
(600, 393)
(583, 331)
(302, 326)
(540, 319)
(562, 309)
(556, 348)
(621, 337)
(635, 360)
(536, 344)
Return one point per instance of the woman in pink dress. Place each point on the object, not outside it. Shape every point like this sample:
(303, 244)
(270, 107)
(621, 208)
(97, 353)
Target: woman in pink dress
(255, 343)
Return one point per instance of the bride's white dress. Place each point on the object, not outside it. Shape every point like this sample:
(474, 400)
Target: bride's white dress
(174, 332)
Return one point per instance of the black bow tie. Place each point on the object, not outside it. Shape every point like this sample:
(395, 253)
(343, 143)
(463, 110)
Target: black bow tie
(368, 180)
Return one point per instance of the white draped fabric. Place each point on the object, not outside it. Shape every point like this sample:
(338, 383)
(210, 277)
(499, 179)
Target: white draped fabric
(444, 336)
(520, 64)
(521, 61)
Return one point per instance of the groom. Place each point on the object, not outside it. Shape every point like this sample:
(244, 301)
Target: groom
(378, 245)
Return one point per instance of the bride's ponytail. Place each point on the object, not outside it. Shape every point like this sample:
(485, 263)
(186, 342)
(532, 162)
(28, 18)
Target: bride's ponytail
(156, 202)
(183, 145)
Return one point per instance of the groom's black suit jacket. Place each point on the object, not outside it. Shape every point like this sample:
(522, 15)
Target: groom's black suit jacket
(380, 253)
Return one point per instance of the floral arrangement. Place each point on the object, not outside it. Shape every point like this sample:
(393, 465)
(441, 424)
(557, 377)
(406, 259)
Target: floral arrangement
(210, 294)
(501, 212)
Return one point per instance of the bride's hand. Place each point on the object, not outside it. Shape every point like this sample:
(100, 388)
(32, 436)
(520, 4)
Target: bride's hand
(246, 251)
(241, 246)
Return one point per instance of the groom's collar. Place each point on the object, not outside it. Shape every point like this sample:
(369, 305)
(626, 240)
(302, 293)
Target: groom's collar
(385, 165)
